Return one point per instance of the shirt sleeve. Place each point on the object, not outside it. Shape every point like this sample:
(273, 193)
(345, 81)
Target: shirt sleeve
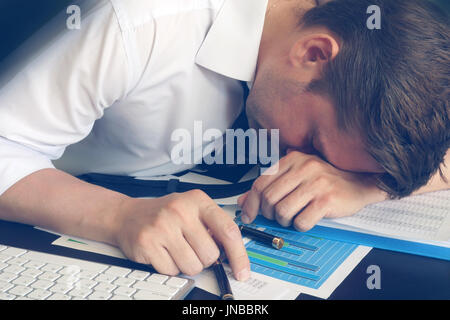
(54, 100)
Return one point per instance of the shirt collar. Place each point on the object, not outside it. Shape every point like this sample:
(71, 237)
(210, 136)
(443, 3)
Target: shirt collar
(232, 44)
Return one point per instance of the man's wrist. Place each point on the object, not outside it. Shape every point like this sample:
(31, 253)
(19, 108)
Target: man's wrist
(105, 224)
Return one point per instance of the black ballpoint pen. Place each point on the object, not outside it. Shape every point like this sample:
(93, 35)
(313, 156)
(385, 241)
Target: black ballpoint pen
(222, 281)
(261, 236)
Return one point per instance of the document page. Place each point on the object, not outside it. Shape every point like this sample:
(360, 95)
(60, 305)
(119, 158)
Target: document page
(419, 217)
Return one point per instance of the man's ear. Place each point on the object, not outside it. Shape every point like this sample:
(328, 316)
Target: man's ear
(311, 52)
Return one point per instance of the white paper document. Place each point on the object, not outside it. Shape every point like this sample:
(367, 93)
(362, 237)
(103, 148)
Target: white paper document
(258, 287)
(422, 218)
(263, 287)
(89, 246)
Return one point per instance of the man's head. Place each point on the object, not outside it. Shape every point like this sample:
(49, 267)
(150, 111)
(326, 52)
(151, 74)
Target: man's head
(366, 100)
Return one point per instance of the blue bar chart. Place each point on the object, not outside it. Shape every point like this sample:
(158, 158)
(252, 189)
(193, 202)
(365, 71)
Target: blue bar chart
(304, 260)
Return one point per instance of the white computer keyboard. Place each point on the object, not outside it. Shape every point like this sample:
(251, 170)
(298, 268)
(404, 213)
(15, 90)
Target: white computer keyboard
(26, 274)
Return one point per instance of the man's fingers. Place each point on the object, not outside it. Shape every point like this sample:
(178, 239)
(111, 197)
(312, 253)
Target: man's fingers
(278, 190)
(183, 255)
(252, 203)
(250, 208)
(292, 204)
(241, 200)
(202, 243)
(227, 233)
(312, 214)
(162, 262)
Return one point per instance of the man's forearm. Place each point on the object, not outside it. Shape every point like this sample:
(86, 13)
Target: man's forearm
(52, 199)
(176, 233)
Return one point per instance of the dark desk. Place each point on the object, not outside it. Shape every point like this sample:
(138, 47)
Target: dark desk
(403, 276)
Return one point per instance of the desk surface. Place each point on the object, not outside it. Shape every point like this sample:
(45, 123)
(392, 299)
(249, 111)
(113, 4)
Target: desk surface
(403, 276)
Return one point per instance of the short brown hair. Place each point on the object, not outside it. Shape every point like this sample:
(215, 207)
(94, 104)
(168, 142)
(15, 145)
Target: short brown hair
(392, 84)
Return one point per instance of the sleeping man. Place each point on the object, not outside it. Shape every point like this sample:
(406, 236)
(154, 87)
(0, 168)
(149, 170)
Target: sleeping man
(362, 114)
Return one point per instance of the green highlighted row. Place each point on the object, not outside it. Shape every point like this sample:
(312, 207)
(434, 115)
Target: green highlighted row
(76, 241)
(266, 258)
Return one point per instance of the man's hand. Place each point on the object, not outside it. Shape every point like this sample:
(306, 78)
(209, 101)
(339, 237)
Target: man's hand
(178, 233)
(305, 189)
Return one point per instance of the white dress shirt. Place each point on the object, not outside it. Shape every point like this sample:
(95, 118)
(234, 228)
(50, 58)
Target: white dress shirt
(106, 98)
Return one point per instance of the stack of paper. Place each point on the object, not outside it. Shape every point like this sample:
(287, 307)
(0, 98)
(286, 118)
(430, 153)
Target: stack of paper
(422, 218)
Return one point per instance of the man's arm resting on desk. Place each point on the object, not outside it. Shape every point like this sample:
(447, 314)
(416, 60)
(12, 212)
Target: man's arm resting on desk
(171, 233)
(306, 189)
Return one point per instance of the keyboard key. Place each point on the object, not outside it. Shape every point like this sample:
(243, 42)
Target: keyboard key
(87, 274)
(148, 295)
(39, 294)
(119, 297)
(99, 295)
(20, 290)
(3, 265)
(70, 270)
(117, 271)
(60, 288)
(125, 282)
(156, 288)
(69, 280)
(23, 281)
(14, 252)
(79, 292)
(7, 276)
(18, 261)
(64, 261)
(176, 282)
(85, 283)
(4, 257)
(34, 264)
(14, 269)
(6, 296)
(42, 284)
(124, 291)
(50, 276)
(105, 278)
(105, 286)
(138, 275)
(157, 278)
(50, 267)
(30, 272)
(58, 296)
(2, 247)
(5, 286)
